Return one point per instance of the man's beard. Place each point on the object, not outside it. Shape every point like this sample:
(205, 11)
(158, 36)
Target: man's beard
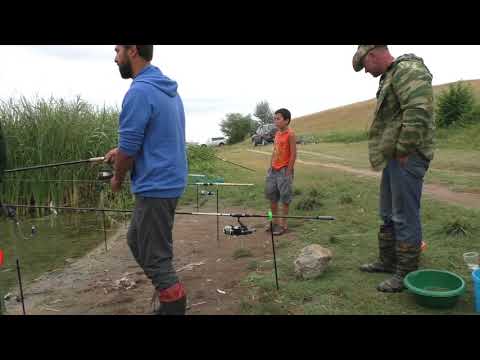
(126, 70)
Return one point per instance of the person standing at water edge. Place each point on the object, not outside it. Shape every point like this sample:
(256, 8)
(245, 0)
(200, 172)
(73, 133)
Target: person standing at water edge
(152, 145)
(278, 184)
(401, 140)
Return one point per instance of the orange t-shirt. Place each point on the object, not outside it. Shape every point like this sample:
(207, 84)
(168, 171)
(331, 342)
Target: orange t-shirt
(281, 149)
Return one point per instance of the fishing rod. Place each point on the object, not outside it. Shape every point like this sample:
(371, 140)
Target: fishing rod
(69, 208)
(231, 162)
(107, 174)
(54, 180)
(66, 163)
(219, 184)
(233, 215)
(126, 182)
(244, 215)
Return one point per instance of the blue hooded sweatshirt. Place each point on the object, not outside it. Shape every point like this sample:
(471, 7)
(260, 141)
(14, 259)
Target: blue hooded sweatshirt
(152, 131)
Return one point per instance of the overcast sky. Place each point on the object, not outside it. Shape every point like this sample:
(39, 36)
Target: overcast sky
(215, 80)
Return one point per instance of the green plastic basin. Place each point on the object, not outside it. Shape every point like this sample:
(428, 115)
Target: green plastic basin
(435, 288)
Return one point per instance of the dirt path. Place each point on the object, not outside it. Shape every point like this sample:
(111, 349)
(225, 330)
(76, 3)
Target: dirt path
(88, 286)
(438, 192)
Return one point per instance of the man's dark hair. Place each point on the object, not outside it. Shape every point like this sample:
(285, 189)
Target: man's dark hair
(145, 51)
(285, 114)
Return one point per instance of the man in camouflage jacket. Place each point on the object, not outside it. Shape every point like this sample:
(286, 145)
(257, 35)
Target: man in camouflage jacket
(401, 145)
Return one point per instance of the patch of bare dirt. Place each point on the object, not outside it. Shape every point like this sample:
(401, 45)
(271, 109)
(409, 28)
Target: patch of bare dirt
(112, 283)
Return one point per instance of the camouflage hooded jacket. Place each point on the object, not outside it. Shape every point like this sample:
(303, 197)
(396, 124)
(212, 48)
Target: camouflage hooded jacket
(403, 120)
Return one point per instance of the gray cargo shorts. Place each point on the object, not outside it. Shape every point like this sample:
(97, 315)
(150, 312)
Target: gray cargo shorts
(278, 186)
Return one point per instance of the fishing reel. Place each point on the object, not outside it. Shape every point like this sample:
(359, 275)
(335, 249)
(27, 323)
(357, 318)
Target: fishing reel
(238, 230)
(105, 174)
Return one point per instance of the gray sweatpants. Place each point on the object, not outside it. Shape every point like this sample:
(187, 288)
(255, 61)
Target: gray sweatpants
(150, 239)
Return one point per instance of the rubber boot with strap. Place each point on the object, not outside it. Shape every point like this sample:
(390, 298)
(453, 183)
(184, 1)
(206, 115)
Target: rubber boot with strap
(173, 301)
(387, 255)
(408, 257)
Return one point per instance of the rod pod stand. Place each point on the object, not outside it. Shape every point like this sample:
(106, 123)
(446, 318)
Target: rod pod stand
(270, 217)
(11, 214)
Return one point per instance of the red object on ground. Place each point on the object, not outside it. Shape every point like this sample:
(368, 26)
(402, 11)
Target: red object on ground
(424, 246)
(1, 257)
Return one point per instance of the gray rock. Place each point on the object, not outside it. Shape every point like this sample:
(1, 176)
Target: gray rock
(312, 261)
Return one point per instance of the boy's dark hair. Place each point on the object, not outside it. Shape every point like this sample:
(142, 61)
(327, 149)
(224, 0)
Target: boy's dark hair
(285, 114)
(145, 51)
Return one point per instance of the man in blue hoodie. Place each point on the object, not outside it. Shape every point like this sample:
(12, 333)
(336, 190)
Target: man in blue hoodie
(152, 146)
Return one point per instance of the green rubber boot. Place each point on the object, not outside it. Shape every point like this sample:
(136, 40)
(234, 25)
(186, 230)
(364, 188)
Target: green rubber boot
(408, 257)
(387, 254)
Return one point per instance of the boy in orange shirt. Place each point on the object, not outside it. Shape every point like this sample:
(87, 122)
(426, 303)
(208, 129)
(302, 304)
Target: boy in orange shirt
(278, 187)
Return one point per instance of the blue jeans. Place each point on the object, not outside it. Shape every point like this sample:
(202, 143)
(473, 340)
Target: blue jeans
(400, 196)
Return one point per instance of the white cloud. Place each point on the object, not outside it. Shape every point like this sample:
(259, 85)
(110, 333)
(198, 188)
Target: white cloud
(75, 52)
(215, 80)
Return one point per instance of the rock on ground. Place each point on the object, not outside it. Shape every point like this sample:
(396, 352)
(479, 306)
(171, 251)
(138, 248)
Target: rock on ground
(312, 261)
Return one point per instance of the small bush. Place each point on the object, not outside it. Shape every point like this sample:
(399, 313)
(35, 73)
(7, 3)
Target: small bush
(471, 117)
(297, 192)
(454, 103)
(308, 204)
(314, 193)
(457, 227)
(346, 199)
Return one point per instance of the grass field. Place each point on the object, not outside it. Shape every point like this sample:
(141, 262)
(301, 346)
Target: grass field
(353, 200)
(352, 238)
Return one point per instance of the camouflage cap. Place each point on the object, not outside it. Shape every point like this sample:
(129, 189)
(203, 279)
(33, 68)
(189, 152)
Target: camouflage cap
(362, 51)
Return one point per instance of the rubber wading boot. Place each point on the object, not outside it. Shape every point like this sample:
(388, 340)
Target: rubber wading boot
(387, 255)
(408, 257)
(173, 301)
